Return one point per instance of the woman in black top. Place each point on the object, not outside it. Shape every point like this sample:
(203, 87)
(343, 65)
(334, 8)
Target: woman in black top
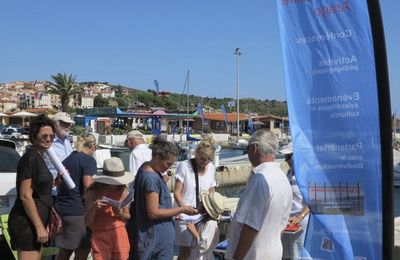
(30, 213)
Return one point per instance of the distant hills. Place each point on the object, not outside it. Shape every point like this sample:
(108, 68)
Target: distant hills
(178, 102)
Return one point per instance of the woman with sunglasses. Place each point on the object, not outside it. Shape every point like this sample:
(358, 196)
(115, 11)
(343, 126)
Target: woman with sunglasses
(186, 186)
(70, 204)
(30, 213)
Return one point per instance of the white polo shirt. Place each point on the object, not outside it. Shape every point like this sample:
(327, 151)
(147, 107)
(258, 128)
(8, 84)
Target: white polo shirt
(140, 154)
(264, 206)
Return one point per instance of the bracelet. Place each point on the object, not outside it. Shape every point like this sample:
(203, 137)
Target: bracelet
(302, 215)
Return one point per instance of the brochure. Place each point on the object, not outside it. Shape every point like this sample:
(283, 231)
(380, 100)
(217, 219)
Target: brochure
(112, 202)
(186, 219)
(292, 229)
(128, 200)
(117, 204)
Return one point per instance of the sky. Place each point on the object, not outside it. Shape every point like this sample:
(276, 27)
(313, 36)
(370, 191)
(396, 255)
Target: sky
(133, 43)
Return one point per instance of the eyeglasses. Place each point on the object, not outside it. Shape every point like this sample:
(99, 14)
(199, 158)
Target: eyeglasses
(45, 136)
(64, 124)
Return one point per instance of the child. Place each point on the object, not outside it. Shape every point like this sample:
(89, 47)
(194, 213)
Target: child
(104, 218)
(206, 233)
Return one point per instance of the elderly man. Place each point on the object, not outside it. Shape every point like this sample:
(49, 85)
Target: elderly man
(140, 151)
(61, 143)
(264, 206)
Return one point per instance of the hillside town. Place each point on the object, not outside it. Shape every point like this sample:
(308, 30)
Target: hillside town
(34, 95)
(107, 117)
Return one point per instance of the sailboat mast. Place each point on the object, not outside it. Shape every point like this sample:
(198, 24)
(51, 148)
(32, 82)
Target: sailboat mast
(237, 53)
(187, 101)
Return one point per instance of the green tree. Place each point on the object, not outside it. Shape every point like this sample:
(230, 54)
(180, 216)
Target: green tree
(65, 86)
(99, 101)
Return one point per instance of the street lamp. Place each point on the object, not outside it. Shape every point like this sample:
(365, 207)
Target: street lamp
(237, 53)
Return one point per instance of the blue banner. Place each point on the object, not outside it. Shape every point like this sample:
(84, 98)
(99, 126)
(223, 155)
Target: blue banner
(223, 109)
(250, 126)
(155, 125)
(201, 112)
(331, 88)
(157, 87)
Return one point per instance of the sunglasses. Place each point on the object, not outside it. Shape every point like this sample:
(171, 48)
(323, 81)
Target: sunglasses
(204, 159)
(45, 136)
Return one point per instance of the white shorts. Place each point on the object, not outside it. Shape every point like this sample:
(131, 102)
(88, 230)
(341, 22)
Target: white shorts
(183, 237)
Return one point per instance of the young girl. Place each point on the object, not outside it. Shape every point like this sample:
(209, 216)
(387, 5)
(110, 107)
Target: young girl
(206, 233)
(104, 218)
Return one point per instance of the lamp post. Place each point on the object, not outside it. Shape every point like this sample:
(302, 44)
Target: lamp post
(237, 53)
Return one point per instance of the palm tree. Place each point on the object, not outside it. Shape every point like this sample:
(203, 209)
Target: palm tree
(65, 86)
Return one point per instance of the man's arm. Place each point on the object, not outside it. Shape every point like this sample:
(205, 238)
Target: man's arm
(247, 236)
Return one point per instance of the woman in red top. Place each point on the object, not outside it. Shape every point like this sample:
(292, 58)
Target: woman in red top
(103, 214)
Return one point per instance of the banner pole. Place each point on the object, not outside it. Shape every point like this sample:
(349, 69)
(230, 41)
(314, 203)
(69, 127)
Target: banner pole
(385, 127)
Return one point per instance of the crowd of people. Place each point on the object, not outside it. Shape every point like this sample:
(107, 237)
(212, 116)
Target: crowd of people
(119, 213)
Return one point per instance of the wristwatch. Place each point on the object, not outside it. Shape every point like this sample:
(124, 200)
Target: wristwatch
(302, 215)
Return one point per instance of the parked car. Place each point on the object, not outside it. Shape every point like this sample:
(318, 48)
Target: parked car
(21, 134)
(8, 171)
(9, 158)
(7, 131)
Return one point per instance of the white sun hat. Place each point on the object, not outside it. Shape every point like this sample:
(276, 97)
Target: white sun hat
(114, 173)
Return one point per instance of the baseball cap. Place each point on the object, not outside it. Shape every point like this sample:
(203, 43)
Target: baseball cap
(62, 116)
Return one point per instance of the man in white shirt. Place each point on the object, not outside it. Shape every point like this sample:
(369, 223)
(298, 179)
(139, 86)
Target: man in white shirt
(61, 143)
(264, 206)
(140, 151)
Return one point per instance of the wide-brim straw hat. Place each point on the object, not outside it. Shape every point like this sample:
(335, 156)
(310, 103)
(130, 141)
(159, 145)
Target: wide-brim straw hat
(214, 203)
(114, 173)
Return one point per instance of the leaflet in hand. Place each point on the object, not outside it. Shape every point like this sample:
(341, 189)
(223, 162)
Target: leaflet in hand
(292, 229)
(117, 204)
(128, 200)
(186, 219)
(60, 168)
(112, 202)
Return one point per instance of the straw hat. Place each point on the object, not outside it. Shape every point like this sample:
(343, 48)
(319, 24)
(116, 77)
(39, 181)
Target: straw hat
(214, 203)
(113, 173)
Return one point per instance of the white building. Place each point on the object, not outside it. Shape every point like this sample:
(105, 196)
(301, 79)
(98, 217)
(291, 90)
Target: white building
(87, 102)
(8, 105)
(108, 94)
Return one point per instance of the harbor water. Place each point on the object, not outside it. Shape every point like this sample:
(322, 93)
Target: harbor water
(234, 191)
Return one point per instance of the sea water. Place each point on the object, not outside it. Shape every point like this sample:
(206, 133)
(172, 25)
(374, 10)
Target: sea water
(234, 191)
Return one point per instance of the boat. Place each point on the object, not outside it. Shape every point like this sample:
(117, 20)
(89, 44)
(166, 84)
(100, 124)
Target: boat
(239, 144)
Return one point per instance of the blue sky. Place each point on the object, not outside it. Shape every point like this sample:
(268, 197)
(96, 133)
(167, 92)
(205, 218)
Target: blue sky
(133, 43)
